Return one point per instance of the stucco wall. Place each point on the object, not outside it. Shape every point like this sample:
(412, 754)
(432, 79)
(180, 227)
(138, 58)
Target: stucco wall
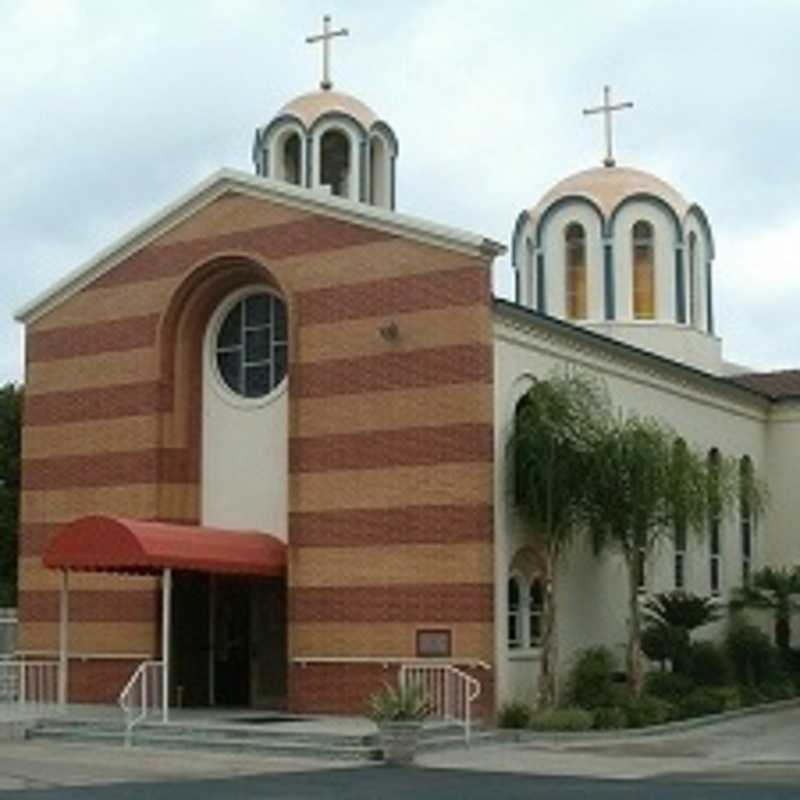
(593, 591)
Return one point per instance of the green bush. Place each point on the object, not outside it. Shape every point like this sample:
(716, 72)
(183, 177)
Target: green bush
(777, 689)
(728, 696)
(647, 710)
(562, 719)
(750, 696)
(709, 665)
(590, 682)
(514, 715)
(669, 686)
(790, 660)
(609, 718)
(753, 658)
(700, 703)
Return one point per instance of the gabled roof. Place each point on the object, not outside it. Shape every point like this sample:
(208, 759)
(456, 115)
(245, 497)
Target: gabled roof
(779, 385)
(227, 180)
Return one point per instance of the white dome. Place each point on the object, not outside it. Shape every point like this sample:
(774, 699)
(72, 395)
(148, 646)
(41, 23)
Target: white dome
(308, 108)
(609, 186)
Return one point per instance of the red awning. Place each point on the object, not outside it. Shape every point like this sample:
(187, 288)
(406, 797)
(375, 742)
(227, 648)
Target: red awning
(111, 544)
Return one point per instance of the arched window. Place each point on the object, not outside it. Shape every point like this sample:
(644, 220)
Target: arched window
(378, 173)
(680, 452)
(746, 515)
(714, 521)
(693, 315)
(535, 608)
(335, 162)
(251, 345)
(291, 158)
(514, 613)
(644, 283)
(575, 264)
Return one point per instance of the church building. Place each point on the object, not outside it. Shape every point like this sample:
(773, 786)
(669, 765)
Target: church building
(265, 432)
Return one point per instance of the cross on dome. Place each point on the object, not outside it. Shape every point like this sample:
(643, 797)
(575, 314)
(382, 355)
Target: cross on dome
(607, 109)
(325, 37)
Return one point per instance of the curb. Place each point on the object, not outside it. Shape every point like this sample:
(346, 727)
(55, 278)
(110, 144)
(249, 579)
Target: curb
(679, 726)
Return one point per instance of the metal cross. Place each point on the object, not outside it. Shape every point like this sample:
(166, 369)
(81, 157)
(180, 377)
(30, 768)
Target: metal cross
(607, 109)
(325, 37)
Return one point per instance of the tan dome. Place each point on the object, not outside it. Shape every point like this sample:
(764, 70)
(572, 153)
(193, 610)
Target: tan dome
(608, 186)
(310, 107)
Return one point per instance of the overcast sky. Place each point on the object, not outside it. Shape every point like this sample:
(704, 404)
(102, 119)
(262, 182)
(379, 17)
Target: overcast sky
(112, 109)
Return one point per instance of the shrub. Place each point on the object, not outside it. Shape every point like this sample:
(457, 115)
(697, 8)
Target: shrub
(647, 710)
(591, 682)
(514, 715)
(668, 686)
(700, 703)
(750, 696)
(777, 689)
(609, 718)
(753, 658)
(398, 704)
(790, 660)
(562, 719)
(729, 696)
(709, 665)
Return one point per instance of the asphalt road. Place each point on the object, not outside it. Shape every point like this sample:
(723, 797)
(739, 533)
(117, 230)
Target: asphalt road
(387, 783)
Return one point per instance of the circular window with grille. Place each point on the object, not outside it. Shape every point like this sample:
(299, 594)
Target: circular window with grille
(251, 345)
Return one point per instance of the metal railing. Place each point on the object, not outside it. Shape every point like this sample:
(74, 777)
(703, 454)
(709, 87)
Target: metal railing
(449, 691)
(142, 694)
(31, 684)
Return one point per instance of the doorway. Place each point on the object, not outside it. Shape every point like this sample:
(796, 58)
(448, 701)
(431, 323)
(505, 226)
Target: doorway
(228, 641)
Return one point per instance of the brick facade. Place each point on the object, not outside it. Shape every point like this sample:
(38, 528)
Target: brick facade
(390, 440)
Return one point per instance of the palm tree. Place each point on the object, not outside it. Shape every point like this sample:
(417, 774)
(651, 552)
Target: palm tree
(557, 427)
(643, 484)
(776, 590)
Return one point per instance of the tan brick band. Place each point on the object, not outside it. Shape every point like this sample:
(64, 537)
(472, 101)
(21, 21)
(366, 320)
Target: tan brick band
(138, 501)
(89, 438)
(392, 639)
(406, 408)
(438, 485)
(90, 637)
(88, 372)
(302, 237)
(471, 602)
(392, 565)
(383, 526)
(409, 370)
(376, 449)
(90, 606)
(133, 399)
(465, 286)
(87, 340)
(34, 576)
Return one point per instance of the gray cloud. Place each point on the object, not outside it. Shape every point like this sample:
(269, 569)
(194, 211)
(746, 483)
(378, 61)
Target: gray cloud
(112, 109)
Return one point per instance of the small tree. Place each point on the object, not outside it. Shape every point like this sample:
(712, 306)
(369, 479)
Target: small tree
(557, 427)
(10, 437)
(776, 590)
(644, 483)
(672, 617)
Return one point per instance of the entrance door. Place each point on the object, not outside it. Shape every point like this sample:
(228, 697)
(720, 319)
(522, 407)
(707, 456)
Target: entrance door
(268, 636)
(232, 642)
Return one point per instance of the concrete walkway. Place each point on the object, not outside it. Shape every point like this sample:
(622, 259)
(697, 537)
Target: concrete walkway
(754, 745)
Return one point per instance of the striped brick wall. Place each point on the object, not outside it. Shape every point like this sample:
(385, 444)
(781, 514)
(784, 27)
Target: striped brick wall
(390, 441)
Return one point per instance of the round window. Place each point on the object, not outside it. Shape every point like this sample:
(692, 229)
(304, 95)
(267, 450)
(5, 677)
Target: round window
(251, 345)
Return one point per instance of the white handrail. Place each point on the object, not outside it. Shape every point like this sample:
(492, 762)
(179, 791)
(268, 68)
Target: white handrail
(449, 691)
(29, 683)
(141, 694)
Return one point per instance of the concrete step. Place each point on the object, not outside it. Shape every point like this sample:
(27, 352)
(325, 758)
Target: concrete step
(311, 745)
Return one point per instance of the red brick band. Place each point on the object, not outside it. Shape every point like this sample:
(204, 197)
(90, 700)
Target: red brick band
(88, 340)
(415, 369)
(380, 449)
(109, 402)
(464, 286)
(98, 680)
(374, 527)
(90, 606)
(457, 602)
(33, 538)
(310, 235)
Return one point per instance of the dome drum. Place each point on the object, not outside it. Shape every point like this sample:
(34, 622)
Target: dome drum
(329, 139)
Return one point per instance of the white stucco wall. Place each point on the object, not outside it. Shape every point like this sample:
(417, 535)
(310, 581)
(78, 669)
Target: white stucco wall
(593, 592)
(245, 463)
